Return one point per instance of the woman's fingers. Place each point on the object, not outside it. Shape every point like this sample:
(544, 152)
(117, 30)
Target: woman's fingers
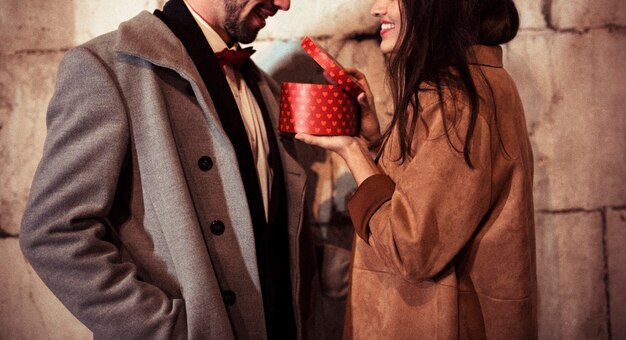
(309, 139)
(332, 143)
(321, 141)
(370, 127)
(329, 78)
(355, 73)
(364, 102)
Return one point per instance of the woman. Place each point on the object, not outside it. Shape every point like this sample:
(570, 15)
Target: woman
(444, 244)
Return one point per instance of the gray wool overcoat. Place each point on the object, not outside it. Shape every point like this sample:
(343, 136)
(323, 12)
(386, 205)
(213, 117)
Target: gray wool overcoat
(118, 220)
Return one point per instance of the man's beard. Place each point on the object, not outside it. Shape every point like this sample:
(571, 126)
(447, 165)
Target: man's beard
(238, 31)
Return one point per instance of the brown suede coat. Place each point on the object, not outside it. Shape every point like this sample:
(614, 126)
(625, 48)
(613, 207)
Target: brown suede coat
(444, 251)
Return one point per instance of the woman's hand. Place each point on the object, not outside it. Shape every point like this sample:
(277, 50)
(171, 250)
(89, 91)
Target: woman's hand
(339, 144)
(370, 127)
(354, 150)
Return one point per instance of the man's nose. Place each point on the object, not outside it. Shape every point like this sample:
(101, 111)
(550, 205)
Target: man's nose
(282, 4)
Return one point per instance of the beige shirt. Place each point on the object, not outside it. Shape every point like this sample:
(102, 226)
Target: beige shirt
(249, 108)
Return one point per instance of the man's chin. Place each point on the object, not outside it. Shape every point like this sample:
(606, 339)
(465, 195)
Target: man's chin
(247, 38)
(244, 36)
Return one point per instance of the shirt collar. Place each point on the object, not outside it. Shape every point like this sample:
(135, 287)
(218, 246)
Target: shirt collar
(215, 41)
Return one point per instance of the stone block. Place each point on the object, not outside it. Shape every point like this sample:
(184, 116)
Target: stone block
(28, 309)
(575, 113)
(616, 254)
(530, 12)
(321, 18)
(570, 275)
(32, 24)
(525, 59)
(581, 14)
(27, 25)
(93, 18)
(26, 86)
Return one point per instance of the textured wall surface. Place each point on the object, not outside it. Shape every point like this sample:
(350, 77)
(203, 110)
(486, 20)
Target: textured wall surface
(569, 62)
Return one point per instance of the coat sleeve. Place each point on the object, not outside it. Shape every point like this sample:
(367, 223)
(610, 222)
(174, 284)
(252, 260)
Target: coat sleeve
(65, 228)
(420, 223)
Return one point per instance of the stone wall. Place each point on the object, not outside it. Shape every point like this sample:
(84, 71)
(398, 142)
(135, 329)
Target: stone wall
(569, 62)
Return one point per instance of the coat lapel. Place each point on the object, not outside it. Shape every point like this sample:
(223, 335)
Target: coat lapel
(178, 18)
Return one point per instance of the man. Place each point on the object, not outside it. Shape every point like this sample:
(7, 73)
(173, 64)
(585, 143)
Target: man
(160, 208)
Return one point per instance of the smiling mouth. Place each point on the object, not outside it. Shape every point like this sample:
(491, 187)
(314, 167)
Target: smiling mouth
(259, 12)
(386, 27)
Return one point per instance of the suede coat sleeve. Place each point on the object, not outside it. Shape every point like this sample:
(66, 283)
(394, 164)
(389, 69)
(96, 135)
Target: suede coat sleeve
(438, 199)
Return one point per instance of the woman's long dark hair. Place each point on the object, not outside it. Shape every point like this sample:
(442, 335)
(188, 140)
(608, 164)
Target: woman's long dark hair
(436, 36)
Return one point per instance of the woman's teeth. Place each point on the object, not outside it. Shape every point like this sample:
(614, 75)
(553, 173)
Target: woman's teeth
(387, 26)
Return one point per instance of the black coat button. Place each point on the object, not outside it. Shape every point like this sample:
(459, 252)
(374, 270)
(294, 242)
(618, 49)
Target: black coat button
(217, 227)
(205, 163)
(229, 297)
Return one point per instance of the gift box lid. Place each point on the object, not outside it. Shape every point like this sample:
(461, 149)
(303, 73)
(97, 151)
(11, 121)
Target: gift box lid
(346, 82)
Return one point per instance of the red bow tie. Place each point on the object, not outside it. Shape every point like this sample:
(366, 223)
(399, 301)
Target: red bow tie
(234, 58)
